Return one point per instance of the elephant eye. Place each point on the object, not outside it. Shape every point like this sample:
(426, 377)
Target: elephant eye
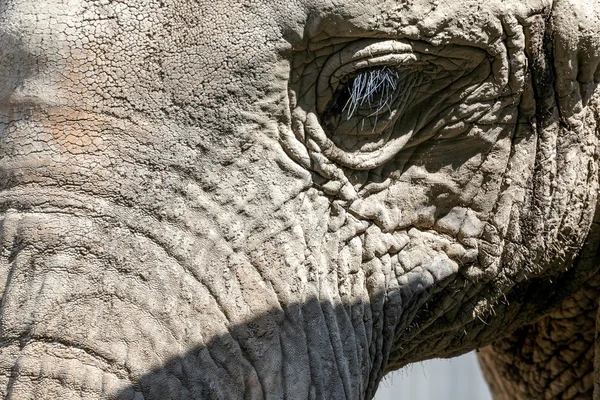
(368, 101)
(363, 101)
(367, 94)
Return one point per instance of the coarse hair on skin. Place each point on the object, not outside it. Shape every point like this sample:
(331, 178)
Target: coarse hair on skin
(374, 88)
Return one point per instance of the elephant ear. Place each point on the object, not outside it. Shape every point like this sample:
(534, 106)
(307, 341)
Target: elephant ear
(576, 30)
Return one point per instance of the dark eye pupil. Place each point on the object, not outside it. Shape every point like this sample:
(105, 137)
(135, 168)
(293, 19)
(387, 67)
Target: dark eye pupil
(371, 88)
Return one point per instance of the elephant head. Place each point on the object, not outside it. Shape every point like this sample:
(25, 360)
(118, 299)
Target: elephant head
(266, 199)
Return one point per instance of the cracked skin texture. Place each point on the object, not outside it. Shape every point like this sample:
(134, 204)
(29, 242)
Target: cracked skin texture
(189, 210)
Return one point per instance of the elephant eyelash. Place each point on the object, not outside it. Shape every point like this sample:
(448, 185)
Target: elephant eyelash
(373, 88)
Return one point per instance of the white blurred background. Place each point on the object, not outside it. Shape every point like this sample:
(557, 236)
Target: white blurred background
(455, 379)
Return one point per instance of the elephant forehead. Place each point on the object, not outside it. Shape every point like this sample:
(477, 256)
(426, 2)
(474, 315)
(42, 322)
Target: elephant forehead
(142, 51)
(210, 37)
(179, 59)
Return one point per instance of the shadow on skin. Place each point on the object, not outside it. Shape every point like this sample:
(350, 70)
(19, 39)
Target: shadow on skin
(317, 353)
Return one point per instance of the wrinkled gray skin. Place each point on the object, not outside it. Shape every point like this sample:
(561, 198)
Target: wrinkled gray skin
(191, 207)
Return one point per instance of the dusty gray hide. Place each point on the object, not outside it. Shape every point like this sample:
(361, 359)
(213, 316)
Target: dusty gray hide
(288, 199)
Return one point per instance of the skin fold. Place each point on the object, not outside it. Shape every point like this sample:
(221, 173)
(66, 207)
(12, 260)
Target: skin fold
(265, 199)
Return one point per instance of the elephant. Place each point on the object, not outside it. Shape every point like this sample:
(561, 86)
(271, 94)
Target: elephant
(289, 199)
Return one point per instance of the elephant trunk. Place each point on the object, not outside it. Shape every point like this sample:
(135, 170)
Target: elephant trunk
(102, 301)
(73, 318)
(44, 369)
